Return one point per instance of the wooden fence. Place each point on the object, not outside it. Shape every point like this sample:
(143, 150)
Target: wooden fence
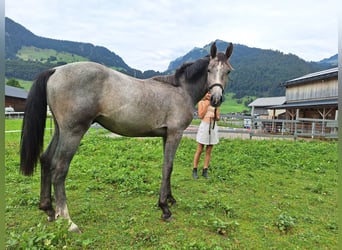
(299, 128)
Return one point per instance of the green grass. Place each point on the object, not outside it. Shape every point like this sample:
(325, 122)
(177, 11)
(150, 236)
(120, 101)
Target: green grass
(231, 105)
(262, 194)
(23, 83)
(43, 55)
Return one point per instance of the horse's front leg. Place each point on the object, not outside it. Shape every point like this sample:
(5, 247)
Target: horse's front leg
(171, 143)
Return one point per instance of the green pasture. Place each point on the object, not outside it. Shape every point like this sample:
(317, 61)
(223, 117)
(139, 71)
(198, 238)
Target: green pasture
(262, 194)
(231, 105)
(47, 55)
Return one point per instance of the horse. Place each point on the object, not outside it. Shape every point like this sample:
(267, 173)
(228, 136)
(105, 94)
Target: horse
(82, 93)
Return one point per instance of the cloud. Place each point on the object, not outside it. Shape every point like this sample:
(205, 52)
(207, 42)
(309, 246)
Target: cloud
(148, 34)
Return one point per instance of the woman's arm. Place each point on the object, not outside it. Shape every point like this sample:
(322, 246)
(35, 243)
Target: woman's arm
(202, 108)
(217, 114)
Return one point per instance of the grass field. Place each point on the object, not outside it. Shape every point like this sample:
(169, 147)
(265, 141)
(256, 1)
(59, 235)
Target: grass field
(43, 55)
(268, 194)
(231, 105)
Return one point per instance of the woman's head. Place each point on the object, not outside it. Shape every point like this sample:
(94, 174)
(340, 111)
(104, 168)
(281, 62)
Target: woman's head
(207, 96)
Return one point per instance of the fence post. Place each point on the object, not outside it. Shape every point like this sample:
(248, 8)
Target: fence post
(313, 129)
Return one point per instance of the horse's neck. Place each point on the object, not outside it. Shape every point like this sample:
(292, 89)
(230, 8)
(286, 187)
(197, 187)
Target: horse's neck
(197, 90)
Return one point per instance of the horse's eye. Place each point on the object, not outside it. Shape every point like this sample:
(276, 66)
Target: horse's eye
(208, 70)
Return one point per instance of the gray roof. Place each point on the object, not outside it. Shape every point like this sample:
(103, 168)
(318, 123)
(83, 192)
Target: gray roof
(15, 92)
(265, 102)
(309, 103)
(320, 75)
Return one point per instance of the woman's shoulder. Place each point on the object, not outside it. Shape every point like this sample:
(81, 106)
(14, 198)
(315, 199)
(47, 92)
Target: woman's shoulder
(204, 102)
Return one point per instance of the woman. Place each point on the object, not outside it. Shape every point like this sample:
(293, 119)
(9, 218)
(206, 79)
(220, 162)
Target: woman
(207, 134)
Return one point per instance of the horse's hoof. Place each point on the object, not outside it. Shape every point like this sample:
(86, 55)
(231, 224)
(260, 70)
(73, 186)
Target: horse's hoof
(167, 218)
(50, 218)
(173, 202)
(74, 228)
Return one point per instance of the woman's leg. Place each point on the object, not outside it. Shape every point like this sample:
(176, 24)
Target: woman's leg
(198, 154)
(207, 157)
(197, 157)
(207, 160)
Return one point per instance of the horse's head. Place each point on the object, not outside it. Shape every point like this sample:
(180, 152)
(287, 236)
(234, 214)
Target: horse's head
(218, 70)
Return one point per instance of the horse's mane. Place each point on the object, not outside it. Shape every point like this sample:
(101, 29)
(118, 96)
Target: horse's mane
(169, 79)
(191, 70)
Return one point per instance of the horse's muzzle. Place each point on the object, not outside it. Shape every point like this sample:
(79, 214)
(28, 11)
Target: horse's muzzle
(215, 100)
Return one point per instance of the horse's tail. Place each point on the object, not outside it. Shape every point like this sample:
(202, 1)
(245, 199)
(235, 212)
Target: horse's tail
(32, 132)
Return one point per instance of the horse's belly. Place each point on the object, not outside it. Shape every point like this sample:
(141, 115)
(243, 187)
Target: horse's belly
(132, 129)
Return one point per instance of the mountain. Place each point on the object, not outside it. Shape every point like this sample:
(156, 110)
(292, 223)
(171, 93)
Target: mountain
(257, 72)
(18, 37)
(331, 61)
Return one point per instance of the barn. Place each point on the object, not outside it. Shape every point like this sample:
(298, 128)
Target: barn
(312, 96)
(310, 105)
(15, 98)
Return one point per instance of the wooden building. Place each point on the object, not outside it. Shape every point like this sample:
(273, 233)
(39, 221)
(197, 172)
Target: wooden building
(15, 98)
(310, 105)
(313, 96)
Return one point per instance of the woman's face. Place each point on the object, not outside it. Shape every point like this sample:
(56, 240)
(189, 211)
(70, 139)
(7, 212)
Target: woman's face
(207, 96)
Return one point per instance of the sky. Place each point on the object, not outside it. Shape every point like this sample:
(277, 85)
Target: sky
(149, 34)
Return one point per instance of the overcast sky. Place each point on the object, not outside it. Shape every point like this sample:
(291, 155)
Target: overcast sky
(148, 34)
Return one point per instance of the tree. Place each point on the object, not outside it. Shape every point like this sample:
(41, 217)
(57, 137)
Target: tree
(14, 83)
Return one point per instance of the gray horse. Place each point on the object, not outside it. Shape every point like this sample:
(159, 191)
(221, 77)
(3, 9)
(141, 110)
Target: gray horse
(82, 93)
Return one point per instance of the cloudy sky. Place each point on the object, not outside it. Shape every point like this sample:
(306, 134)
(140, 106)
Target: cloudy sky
(148, 34)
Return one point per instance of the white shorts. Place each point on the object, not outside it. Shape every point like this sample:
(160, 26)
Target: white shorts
(204, 136)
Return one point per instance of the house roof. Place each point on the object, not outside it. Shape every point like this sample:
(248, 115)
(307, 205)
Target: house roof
(309, 103)
(15, 92)
(320, 75)
(265, 102)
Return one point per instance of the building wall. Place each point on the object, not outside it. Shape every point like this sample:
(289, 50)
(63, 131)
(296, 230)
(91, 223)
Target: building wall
(315, 90)
(313, 113)
(16, 103)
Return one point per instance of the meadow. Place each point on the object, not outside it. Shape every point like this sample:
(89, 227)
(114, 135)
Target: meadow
(261, 194)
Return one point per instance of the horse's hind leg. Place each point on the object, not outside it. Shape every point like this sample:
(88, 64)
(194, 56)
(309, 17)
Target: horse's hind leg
(45, 181)
(66, 148)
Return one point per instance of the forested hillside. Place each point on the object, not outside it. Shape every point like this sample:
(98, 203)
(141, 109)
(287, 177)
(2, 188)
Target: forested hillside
(17, 37)
(258, 72)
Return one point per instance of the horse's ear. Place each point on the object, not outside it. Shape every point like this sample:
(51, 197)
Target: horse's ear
(213, 50)
(229, 50)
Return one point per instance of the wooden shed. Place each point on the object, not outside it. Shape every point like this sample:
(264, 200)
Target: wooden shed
(15, 98)
(312, 96)
(312, 101)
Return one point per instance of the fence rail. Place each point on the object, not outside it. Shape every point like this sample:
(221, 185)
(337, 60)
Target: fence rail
(14, 114)
(300, 128)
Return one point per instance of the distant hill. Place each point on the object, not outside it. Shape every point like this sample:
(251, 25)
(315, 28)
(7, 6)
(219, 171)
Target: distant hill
(18, 37)
(258, 72)
(331, 61)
